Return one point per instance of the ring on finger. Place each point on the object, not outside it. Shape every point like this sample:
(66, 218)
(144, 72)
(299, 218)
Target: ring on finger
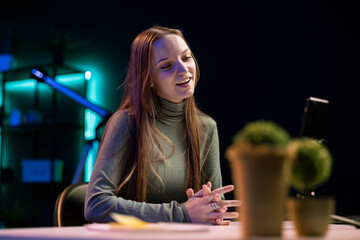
(214, 206)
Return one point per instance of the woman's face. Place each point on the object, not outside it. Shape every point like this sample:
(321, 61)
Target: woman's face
(174, 69)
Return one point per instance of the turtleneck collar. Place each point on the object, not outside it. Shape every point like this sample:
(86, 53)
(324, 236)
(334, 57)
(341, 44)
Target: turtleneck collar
(168, 111)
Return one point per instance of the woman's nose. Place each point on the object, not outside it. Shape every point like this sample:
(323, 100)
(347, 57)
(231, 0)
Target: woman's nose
(182, 68)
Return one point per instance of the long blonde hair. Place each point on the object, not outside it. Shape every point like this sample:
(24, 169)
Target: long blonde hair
(139, 99)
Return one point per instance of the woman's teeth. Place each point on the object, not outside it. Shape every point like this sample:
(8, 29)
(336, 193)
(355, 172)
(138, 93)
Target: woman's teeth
(184, 82)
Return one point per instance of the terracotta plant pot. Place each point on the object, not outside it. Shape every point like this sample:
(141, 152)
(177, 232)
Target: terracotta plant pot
(311, 216)
(261, 177)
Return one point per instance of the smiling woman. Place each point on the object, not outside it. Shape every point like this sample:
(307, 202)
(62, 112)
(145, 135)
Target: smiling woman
(158, 147)
(174, 70)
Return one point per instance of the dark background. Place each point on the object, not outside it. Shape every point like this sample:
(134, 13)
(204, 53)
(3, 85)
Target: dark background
(258, 60)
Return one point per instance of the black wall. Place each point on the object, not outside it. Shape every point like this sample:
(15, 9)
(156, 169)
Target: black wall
(258, 60)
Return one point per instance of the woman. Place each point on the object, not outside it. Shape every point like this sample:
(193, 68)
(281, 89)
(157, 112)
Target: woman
(158, 146)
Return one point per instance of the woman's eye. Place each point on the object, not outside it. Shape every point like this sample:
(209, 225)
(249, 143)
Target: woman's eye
(166, 67)
(186, 58)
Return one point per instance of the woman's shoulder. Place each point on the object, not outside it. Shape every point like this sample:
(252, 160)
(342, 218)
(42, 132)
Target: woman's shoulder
(209, 132)
(121, 115)
(121, 119)
(208, 122)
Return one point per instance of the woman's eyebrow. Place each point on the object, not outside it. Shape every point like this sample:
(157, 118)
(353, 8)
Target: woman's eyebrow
(185, 50)
(163, 59)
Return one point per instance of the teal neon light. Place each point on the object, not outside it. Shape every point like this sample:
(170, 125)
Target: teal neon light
(25, 84)
(87, 75)
(90, 125)
(90, 161)
(70, 78)
(91, 121)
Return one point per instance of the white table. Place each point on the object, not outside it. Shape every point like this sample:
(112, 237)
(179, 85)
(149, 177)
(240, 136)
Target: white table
(187, 231)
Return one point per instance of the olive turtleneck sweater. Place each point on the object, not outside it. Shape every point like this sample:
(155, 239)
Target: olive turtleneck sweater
(163, 202)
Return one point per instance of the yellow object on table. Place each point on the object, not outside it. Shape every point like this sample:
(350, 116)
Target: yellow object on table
(129, 221)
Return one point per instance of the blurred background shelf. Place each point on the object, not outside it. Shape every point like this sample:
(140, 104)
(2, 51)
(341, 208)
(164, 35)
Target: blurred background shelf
(42, 137)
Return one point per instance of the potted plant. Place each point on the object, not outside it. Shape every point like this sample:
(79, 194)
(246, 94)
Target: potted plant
(260, 159)
(311, 168)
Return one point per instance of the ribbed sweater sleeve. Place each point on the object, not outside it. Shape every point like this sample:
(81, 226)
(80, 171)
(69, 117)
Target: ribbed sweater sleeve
(100, 198)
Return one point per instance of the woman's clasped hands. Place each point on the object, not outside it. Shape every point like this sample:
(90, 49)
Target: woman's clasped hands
(206, 206)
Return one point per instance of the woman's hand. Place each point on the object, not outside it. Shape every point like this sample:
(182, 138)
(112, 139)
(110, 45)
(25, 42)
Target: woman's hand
(201, 193)
(206, 206)
(190, 192)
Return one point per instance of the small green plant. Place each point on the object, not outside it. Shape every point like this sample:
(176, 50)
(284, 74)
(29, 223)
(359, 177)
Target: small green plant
(311, 167)
(262, 132)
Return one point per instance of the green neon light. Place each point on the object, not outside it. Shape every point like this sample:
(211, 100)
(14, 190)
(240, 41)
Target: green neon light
(89, 133)
(94, 92)
(91, 119)
(90, 161)
(87, 75)
(90, 126)
(25, 84)
(70, 78)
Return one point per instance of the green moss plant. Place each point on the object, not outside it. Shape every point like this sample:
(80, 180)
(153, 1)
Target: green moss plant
(311, 167)
(262, 132)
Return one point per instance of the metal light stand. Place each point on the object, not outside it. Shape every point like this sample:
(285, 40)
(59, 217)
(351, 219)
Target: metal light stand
(40, 76)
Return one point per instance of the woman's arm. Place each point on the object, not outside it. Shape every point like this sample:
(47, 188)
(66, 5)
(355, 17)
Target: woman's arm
(210, 154)
(112, 160)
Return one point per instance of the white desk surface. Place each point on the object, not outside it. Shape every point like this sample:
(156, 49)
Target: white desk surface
(187, 231)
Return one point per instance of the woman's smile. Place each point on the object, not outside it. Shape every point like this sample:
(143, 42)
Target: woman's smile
(174, 69)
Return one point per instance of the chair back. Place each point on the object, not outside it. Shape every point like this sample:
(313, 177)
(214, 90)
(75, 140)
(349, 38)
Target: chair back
(69, 206)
